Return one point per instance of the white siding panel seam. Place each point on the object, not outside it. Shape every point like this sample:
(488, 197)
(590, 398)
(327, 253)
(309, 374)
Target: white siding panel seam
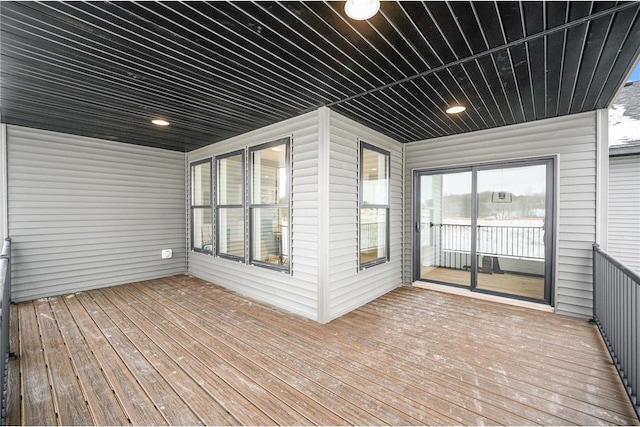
(298, 291)
(624, 210)
(4, 200)
(573, 139)
(351, 288)
(87, 213)
(602, 174)
(323, 186)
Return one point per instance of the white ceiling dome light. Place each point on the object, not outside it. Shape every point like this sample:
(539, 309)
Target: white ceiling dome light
(361, 9)
(456, 109)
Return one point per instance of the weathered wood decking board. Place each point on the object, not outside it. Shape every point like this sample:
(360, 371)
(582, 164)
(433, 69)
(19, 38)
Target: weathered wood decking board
(182, 351)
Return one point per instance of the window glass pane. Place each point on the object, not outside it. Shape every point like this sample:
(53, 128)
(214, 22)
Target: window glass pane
(202, 229)
(201, 184)
(445, 227)
(510, 230)
(271, 235)
(373, 234)
(230, 176)
(231, 231)
(269, 175)
(375, 178)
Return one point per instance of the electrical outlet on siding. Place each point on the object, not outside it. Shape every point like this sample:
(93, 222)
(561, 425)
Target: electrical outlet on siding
(167, 253)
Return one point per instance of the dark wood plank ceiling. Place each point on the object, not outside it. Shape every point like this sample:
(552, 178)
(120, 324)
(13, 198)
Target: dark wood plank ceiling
(219, 69)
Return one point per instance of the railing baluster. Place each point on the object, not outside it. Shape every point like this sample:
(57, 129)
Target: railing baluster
(627, 329)
(494, 246)
(519, 242)
(5, 313)
(452, 243)
(512, 240)
(521, 238)
(636, 341)
(616, 301)
(617, 319)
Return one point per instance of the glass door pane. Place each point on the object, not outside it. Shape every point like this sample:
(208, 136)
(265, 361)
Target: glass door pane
(445, 228)
(510, 231)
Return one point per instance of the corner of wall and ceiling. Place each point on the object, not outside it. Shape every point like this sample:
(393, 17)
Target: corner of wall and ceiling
(602, 176)
(4, 176)
(186, 217)
(324, 141)
(403, 236)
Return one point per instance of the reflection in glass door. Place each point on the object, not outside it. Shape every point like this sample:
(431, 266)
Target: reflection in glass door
(445, 228)
(510, 230)
(487, 228)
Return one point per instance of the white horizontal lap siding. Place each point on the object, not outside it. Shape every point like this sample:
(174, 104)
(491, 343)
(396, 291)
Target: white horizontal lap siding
(573, 139)
(624, 210)
(349, 287)
(295, 292)
(87, 213)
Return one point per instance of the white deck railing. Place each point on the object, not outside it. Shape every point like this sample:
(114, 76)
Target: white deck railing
(510, 241)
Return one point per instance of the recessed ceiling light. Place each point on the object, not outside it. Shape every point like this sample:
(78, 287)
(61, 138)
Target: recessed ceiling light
(456, 109)
(361, 9)
(278, 148)
(160, 122)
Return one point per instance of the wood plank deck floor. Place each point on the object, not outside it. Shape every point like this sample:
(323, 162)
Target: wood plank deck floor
(182, 351)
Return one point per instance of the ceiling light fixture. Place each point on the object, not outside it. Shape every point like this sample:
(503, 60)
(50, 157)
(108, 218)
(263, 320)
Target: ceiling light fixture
(361, 9)
(160, 122)
(456, 109)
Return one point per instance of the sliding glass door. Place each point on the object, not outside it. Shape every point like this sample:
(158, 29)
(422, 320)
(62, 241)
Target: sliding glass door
(445, 228)
(510, 230)
(487, 228)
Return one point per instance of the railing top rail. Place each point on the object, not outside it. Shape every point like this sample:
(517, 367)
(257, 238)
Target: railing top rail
(497, 226)
(494, 226)
(626, 270)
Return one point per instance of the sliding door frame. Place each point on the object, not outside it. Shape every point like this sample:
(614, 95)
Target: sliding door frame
(417, 174)
(549, 223)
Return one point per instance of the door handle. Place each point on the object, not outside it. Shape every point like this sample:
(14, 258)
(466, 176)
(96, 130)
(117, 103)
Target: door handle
(417, 227)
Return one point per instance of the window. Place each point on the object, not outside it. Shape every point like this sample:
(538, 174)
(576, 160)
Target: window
(374, 205)
(269, 204)
(230, 206)
(201, 211)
